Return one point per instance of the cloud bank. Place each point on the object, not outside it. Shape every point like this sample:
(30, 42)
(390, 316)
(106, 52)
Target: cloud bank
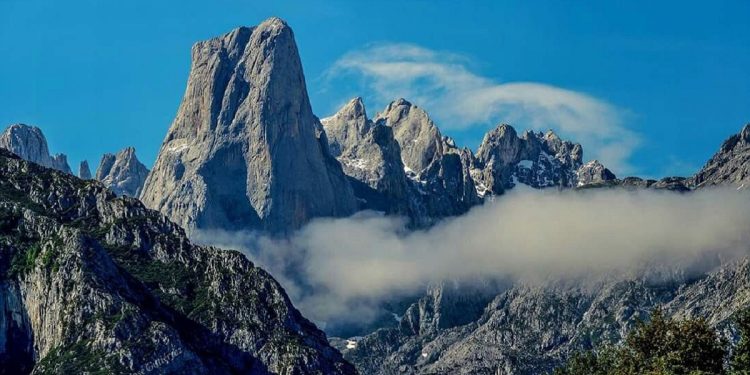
(443, 84)
(338, 269)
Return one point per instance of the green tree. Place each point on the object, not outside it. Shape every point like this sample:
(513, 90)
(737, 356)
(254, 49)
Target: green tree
(660, 346)
(740, 361)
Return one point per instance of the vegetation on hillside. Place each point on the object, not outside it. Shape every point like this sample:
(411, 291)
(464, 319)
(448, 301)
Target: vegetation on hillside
(664, 346)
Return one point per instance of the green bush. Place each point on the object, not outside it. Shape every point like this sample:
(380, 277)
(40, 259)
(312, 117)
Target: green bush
(664, 346)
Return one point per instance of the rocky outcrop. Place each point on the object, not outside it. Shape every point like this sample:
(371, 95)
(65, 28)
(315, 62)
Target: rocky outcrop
(245, 150)
(122, 172)
(538, 160)
(440, 171)
(730, 165)
(371, 156)
(84, 172)
(593, 172)
(29, 143)
(90, 282)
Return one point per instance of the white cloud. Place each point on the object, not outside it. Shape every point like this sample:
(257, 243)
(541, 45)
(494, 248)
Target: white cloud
(443, 84)
(338, 269)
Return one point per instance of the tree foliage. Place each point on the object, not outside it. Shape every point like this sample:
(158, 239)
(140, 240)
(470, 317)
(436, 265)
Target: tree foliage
(664, 346)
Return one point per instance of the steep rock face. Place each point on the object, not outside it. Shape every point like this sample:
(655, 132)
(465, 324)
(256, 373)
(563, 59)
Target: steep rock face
(534, 159)
(29, 143)
(122, 172)
(593, 172)
(440, 171)
(371, 156)
(245, 150)
(90, 282)
(84, 172)
(730, 165)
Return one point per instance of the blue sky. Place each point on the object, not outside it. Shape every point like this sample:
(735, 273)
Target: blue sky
(651, 87)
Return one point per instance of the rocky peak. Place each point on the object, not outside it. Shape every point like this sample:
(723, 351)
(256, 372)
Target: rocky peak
(420, 140)
(538, 160)
(502, 146)
(122, 172)
(245, 150)
(440, 172)
(370, 155)
(593, 172)
(29, 143)
(347, 127)
(730, 165)
(84, 172)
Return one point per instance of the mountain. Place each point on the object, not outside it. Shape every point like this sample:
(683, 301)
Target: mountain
(29, 143)
(593, 172)
(438, 169)
(84, 172)
(534, 159)
(245, 150)
(122, 172)
(530, 327)
(92, 282)
(370, 155)
(730, 165)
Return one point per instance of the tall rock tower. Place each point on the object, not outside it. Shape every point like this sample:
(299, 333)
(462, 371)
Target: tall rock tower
(245, 150)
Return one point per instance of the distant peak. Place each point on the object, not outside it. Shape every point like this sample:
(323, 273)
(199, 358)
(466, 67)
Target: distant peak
(355, 107)
(274, 22)
(402, 102)
(745, 133)
(504, 129)
(23, 127)
(550, 134)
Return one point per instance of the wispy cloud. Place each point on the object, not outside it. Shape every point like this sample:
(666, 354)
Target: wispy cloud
(443, 84)
(339, 269)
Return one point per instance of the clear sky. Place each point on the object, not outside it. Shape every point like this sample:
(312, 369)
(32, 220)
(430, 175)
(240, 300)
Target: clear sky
(651, 87)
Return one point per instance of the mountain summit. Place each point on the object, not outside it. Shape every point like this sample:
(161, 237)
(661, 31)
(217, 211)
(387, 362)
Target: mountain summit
(29, 143)
(245, 150)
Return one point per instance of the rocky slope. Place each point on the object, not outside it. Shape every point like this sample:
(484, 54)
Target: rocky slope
(439, 171)
(530, 328)
(90, 282)
(245, 150)
(730, 165)
(371, 157)
(122, 172)
(29, 143)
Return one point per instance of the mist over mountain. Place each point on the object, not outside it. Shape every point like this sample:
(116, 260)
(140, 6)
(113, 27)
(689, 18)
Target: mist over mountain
(414, 254)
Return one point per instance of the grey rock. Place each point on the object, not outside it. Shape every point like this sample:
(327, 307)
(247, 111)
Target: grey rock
(440, 172)
(730, 165)
(245, 150)
(371, 156)
(84, 172)
(593, 172)
(29, 143)
(122, 172)
(531, 327)
(534, 159)
(96, 283)
(676, 184)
